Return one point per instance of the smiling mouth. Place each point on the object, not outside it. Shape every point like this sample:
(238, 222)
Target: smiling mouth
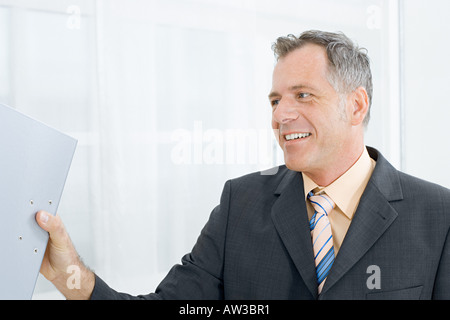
(295, 136)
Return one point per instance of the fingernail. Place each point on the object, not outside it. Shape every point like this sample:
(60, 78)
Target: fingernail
(44, 217)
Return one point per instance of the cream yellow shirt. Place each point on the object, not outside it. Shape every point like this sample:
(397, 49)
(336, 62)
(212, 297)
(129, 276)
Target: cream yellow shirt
(346, 192)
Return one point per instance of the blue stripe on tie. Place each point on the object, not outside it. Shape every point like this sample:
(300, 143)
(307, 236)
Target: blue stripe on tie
(319, 206)
(328, 200)
(325, 260)
(329, 254)
(317, 221)
(322, 247)
(324, 266)
(312, 222)
(326, 271)
(320, 233)
(325, 274)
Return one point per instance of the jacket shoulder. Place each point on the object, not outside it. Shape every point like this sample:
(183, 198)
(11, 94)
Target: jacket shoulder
(418, 187)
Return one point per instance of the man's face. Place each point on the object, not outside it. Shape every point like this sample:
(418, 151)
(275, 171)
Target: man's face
(309, 118)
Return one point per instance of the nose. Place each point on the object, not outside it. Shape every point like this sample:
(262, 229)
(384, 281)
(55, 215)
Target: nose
(284, 112)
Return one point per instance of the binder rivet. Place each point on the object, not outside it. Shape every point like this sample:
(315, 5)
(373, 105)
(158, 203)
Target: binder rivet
(20, 237)
(31, 202)
(35, 250)
(49, 202)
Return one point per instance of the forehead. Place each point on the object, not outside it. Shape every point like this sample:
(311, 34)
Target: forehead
(307, 64)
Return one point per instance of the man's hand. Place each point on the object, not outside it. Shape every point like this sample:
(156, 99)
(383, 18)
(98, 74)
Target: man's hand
(61, 259)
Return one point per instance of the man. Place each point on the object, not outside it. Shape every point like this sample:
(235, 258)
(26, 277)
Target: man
(336, 222)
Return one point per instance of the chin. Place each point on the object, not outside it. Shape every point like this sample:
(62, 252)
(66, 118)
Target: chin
(293, 165)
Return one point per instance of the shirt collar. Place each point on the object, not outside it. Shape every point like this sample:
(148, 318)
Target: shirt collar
(349, 187)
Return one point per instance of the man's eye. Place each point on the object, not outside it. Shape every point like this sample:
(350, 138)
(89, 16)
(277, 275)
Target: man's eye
(274, 102)
(304, 95)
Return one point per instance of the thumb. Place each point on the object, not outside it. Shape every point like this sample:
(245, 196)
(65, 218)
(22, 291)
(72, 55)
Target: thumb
(60, 252)
(48, 222)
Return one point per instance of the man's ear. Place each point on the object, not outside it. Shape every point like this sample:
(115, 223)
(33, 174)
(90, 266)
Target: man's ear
(360, 105)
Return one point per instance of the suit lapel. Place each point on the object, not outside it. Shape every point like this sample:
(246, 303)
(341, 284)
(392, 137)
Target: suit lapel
(291, 221)
(372, 218)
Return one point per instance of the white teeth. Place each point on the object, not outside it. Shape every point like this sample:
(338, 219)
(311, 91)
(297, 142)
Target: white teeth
(297, 136)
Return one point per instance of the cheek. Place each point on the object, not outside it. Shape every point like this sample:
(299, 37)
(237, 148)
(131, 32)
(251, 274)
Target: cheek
(275, 125)
(333, 134)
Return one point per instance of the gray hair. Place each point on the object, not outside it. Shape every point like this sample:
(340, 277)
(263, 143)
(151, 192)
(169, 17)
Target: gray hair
(349, 65)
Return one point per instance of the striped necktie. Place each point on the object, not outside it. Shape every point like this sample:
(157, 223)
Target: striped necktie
(321, 236)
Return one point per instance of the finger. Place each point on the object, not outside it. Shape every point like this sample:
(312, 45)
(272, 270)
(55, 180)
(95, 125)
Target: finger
(51, 224)
(43, 218)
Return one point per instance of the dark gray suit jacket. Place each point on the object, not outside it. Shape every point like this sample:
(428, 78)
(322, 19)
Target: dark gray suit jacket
(257, 244)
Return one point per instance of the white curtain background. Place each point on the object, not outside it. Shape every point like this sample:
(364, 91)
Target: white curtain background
(426, 81)
(168, 99)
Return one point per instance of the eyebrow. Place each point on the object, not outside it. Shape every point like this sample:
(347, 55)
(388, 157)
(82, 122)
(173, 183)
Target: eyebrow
(292, 88)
